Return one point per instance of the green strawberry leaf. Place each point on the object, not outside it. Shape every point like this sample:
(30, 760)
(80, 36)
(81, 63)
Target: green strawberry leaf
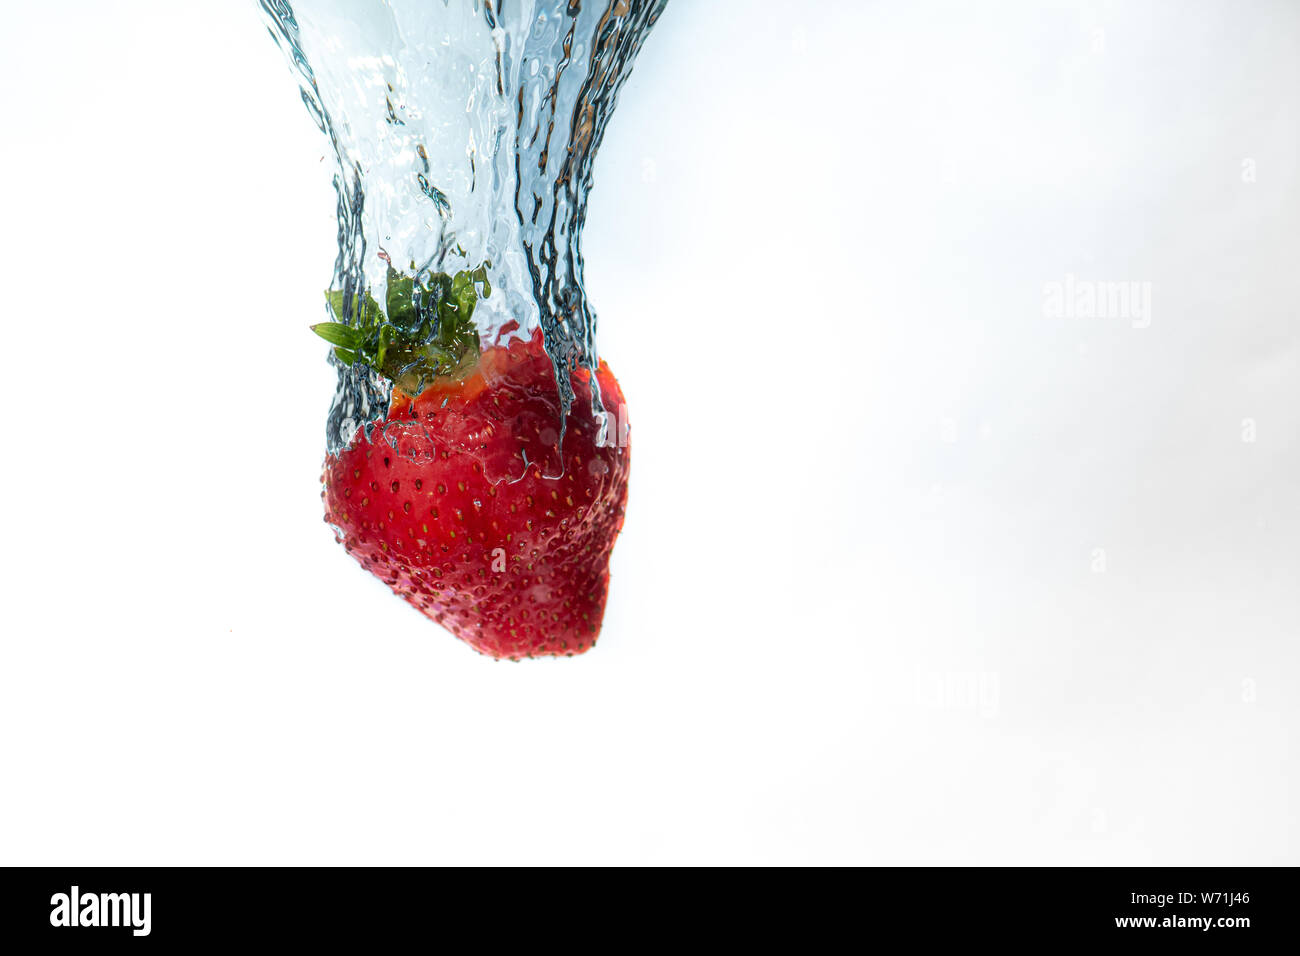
(336, 333)
(425, 331)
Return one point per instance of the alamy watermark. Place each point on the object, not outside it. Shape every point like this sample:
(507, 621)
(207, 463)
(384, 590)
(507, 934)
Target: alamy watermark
(1075, 298)
(977, 691)
(612, 430)
(76, 908)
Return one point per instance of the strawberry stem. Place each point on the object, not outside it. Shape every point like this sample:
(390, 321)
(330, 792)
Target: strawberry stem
(426, 331)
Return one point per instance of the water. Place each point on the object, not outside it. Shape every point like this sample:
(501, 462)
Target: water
(464, 133)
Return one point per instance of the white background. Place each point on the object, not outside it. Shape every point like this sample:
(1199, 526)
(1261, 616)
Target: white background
(912, 572)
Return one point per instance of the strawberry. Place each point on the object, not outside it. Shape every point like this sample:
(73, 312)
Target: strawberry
(465, 499)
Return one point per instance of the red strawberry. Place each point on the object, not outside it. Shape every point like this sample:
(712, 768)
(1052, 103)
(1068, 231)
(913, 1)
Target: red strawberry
(459, 501)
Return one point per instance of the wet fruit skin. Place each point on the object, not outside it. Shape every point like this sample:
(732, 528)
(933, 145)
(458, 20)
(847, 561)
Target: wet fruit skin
(438, 503)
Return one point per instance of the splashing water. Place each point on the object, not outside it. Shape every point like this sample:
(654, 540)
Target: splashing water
(464, 133)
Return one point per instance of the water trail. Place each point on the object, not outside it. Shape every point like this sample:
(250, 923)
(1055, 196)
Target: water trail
(463, 133)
